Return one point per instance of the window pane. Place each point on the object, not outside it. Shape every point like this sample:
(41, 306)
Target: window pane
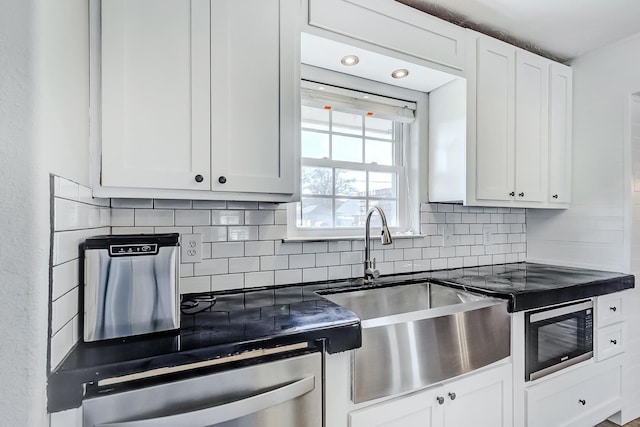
(382, 184)
(347, 123)
(350, 212)
(315, 145)
(390, 208)
(347, 149)
(379, 152)
(351, 182)
(317, 180)
(316, 212)
(315, 118)
(378, 128)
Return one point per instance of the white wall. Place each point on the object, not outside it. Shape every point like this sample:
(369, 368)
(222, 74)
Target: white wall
(44, 128)
(592, 232)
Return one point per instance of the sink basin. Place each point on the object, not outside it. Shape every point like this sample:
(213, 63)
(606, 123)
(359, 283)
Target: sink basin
(420, 334)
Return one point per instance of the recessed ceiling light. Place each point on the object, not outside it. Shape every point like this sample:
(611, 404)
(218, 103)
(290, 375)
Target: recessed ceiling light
(366, 97)
(349, 60)
(320, 88)
(400, 74)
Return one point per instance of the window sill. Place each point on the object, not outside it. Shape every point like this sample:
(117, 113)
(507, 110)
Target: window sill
(335, 238)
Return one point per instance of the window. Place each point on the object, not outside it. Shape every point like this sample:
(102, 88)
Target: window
(351, 160)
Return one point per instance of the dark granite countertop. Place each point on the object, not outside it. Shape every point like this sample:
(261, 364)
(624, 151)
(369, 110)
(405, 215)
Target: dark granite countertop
(242, 321)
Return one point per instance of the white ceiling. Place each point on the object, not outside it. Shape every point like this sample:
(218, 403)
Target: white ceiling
(564, 28)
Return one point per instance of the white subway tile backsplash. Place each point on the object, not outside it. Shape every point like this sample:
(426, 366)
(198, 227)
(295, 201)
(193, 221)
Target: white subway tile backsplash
(284, 277)
(244, 264)
(393, 255)
(260, 247)
(242, 232)
(209, 204)
(186, 270)
(454, 262)
(443, 207)
(132, 203)
(438, 263)
(413, 253)
(227, 217)
(63, 341)
(403, 243)
(179, 230)
(340, 246)
(227, 250)
(272, 232)
(402, 267)
(281, 217)
(259, 217)
(421, 264)
(470, 261)
(226, 282)
(171, 204)
(212, 234)
(192, 217)
(353, 257)
(195, 284)
(287, 248)
(65, 277)
(153, 217)
(453, 218)
(339, 272)
(210, 267)
(302, 261)
(132, 230)
(327, 259)
(65, 189)
(260, 278)
(314, 247)
(314, 274)
(242, 205)
(64, 309)
(122, 217)
(275, 262)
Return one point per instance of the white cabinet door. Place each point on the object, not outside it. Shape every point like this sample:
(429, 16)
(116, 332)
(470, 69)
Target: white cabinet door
(480, 400)
(155, 94)
(560, 122)
(532, 124)
(253, 88)
(420, 409)
(495, 74)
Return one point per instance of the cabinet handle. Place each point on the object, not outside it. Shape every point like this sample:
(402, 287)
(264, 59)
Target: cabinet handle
(614, 308)
(521, 194)
(452, 396)
(222, 179)
(555, 196)
(582, 402)
(440, 400)
(199, 178)
(513, 193)
(614, 342)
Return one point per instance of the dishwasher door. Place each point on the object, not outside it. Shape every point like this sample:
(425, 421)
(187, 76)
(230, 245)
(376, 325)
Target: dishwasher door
(282, 393)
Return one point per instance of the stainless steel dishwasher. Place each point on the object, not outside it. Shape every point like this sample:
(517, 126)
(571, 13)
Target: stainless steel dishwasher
(280, 393)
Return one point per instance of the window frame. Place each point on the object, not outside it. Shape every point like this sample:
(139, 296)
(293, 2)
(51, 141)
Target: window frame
(408, 173)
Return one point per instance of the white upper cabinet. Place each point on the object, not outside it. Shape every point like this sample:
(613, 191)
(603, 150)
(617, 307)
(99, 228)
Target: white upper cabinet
(532, 127)
(518, 131)
(200, 95)
(393, 26)
(155, 94)
(560, 135)
(495, 82)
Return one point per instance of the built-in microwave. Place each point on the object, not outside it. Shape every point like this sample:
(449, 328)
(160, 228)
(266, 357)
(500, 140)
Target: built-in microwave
(557, 337)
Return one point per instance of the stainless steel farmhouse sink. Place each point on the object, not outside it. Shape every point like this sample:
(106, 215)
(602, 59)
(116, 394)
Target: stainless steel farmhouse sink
(419, 334)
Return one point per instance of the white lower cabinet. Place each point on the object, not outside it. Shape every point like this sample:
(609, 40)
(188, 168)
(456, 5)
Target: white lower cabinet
(582, 397)
(482, 399)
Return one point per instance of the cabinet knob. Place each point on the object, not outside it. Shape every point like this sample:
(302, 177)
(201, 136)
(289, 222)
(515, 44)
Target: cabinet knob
(199, 178)
(614, 342)
(440, 400)
(513, 193)
(582, 402)
(222, 179)
(614, 308)
(555, 196)
(452, 396)
(521, 194)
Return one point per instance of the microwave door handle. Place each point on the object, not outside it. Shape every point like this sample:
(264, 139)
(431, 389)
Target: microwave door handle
(228, 411)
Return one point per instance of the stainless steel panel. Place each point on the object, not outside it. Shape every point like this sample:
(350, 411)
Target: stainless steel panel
(560, 311)
(404, 356)
(558, 366)
(130, 295)
(283, 393)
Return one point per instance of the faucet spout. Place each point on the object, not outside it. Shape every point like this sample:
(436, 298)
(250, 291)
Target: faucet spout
(370, 271)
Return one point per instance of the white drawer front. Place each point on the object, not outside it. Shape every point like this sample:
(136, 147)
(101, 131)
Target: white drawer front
(611, 340)
(577, 398)
(609, 309)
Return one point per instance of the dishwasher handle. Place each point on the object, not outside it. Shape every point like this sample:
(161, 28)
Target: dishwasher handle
(228, 411)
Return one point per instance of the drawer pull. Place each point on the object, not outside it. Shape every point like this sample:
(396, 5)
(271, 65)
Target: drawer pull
(452, 396)
(440, 400)
(582, 402)
(614, 342)
(614, 308)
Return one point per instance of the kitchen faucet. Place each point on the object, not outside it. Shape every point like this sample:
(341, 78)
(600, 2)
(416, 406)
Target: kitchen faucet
(370, 271)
